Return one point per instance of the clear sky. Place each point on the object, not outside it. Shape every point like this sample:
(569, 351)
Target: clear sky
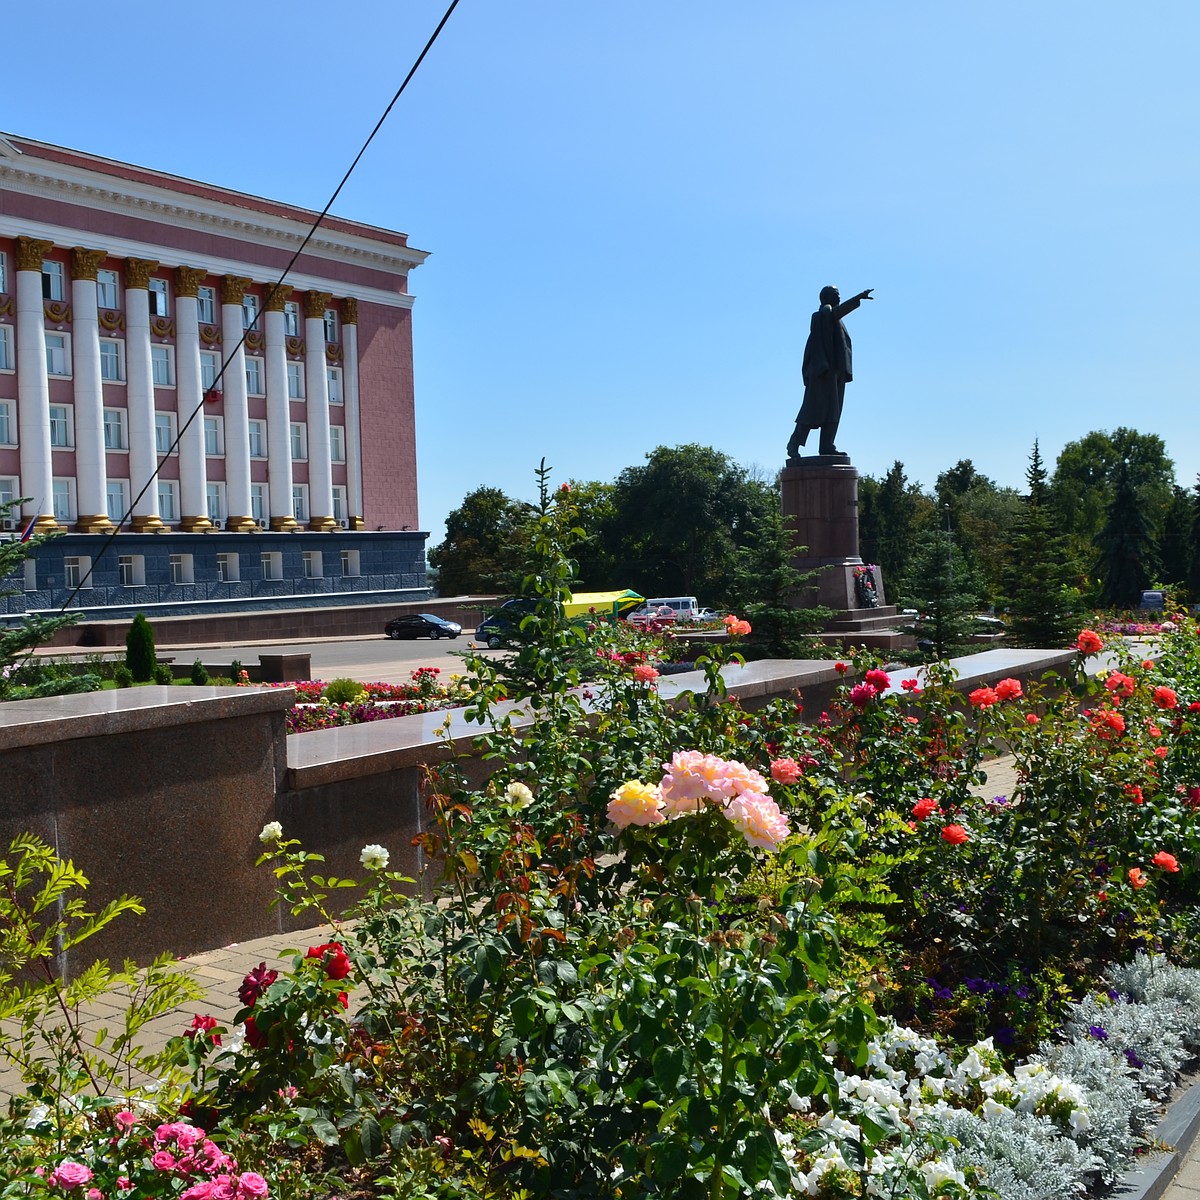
(631, 206)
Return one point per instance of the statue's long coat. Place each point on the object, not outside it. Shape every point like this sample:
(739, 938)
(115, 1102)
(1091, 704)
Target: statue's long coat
(827, 366)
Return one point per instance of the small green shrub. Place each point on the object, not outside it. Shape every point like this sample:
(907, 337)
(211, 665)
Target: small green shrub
(342, 691)
(235, 669)
(200, 675)
(139, 650)
(163, 674)
(122, 676)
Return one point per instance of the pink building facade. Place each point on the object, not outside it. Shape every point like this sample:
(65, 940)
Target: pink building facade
(150, 365)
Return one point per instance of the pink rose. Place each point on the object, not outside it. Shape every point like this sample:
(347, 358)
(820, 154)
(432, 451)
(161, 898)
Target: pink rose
(252, 1186)
(163, 1160)
(224, 1187)
(68, 1175)
(125, 1120)
(198, 1191)
(861, 694)
(644, 673)
(785, 770)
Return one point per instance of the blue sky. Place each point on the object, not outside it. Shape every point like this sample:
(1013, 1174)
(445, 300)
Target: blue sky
(632, 204)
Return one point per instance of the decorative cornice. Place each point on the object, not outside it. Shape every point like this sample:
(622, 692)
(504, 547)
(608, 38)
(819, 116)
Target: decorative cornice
(57, 311)
(210, 335)
(111, 320)
(315, 303)
(30, 252)
(188, 280)
(138, 272)
(357, 247)
(233, 288)
(333, 353)
(85, 263)
(162, 327)
(277, 296)
(349, 311)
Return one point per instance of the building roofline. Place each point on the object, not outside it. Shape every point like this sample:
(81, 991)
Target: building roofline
(16, 145)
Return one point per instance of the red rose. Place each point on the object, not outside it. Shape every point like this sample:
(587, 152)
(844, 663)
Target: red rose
(924, 808)
(1167, 861)
(255, 983)
(1009, 689)
(1088, 642)
(1032, 719)
(910, 685)
(840, 667)
(1165, 697)
(879, 680)
(337, 962)
(1137, 877)
(983, 697)
(955, 835)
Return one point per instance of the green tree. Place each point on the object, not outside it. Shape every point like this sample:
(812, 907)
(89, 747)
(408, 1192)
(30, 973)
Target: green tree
(1128, 557)
(943, 589)
(984, 517)
(886, 534)
(595, 556)
(1193, 576)
(679, 520)
(1176, 548)
(140, 656)
(482, 548)
(1037, 576)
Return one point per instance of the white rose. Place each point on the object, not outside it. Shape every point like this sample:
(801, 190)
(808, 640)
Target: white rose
(272, 831)
(374, 858)
(519, 794)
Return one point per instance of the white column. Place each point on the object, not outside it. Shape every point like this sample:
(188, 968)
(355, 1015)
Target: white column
(33, 386)
(237, 417)
(354, 486)
(189, 394)
(320, 471)
(91, 474)
(279, 442)
(139, 394)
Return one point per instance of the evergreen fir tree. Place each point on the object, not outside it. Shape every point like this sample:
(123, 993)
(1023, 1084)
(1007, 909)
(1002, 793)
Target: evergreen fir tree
(1193, 575)
(1038, 574)
(943, 590)
(1128, 556)
(1175, 545)
(140, 656)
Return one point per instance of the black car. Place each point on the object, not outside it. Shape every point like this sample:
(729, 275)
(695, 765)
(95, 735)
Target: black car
(421, 625)
(498, 629)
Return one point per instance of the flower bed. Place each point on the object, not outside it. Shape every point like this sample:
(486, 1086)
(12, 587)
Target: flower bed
(693, 950)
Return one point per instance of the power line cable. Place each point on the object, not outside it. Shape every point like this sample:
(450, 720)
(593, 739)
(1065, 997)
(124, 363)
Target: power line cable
(112, 536)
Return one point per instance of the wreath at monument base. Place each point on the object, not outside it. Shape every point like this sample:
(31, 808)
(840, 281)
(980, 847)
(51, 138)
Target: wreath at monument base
(864, 587)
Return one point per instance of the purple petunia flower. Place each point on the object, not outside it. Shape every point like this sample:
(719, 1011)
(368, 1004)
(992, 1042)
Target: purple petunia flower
(1098, 1032)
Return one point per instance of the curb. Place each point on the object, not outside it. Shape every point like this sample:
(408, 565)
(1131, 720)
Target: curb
(1178, 1129)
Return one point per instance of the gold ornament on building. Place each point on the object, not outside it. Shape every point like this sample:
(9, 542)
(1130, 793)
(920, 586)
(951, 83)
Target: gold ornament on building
(138, 272)
(210, 335)
(233, 288)
(30, 252)
(254, 340)
(7, 307)
(57, 311)
(277, 296)
(85, 263)
(315, 303)
(349, 311)
(188, 280)
(295, 347)
(333, 353)
(162, 327)
(111, 320)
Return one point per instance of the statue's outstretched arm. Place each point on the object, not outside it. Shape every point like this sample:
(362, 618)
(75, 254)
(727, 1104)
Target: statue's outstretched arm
(848, 306)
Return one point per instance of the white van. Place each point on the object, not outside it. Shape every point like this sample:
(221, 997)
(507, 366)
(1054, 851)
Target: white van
(685, 608)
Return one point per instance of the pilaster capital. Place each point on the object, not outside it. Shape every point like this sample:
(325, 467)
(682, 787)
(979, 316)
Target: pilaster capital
(277, 296)
(315, 303)
(188, 280)
(30, 252)
(233, 288)
(138, 272)
(349, 311)
(85, 263)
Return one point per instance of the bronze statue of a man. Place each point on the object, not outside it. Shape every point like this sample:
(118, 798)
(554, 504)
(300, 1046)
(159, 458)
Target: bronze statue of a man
(826, 370)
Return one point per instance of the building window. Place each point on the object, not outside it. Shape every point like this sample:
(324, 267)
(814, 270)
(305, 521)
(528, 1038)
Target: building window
(114, 429)
(107, 285)
(216, 502)
(181, 568)
(254, 377)
(350, 564)
(112, 360)
(164, 432)
(337, 444)
(300, 502)
(334, 377)
(291, 319)
(299, 440)
(3, 273)
(295, 373)
(162, 364)
(206, 305)
(312, 564)
(77, 571)
(339, 503)
(258, 439)
(331, 325)
(54, 285)
(8, 493)
(60, 426)
(210, 364)
(168, 501)
(133, 570)
(160, 304)
(214, 441)
(31, 575)
(58, 354)
(8, 427)
(258, 502)
(116, 500)
(272, 564)
(249, 310)
(63, 493)
(6, 351)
